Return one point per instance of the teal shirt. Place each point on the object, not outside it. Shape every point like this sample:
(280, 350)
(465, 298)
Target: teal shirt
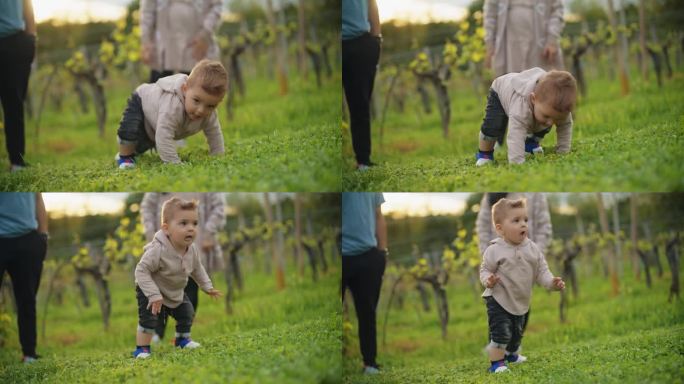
(17, 214)
(354, 18)
(358, 221)
(11, 17)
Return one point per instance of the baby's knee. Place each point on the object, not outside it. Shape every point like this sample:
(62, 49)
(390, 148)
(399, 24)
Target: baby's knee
(148, 327)
(494, 345)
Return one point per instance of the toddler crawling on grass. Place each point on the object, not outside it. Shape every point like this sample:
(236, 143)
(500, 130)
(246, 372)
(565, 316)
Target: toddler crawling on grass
(171, 109)
(528, 103)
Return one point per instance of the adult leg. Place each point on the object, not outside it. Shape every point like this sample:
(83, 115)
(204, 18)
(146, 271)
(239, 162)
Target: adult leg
(16, 55)
(156, 75)
(27, 253)
(364, 279)
(359, 64)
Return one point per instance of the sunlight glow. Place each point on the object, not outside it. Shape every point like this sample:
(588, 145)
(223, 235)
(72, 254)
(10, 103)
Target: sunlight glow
(419, 11)
(77, 10)
(424, 204)
(83, 204)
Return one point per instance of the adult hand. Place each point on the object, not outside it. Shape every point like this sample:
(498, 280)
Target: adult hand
(146, 53)
(155, 307)
(492, 280)
(208, 244)
(549, 53)
(199, 47)
(215, 293)
(558, 283)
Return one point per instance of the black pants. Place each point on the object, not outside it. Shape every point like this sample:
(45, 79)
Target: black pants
(132, 126)
(191, 291)
(22, 257)
(504, 327)
(495, 121)
(359, 63)
(184, 313)
(363, 275)
(156, 75)
(16, 55)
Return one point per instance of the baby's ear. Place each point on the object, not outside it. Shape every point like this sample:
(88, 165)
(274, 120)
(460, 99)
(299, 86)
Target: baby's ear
(184, 87)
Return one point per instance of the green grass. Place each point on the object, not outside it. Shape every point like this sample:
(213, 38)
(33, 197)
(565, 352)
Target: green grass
(636, 337)
(630, 143)
(274, 143)
(291, 336)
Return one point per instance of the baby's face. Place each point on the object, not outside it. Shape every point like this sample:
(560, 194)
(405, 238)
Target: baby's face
(198, 103)
(513, 228)
(182, 228)
(545, 115)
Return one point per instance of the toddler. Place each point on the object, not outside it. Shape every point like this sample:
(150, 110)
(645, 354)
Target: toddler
(171, 109)
(528, 103)
(510, 266)
(162, 273)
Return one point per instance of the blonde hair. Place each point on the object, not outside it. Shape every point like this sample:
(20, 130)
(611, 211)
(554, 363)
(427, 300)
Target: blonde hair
(557, 89)
(175, 204)
(211, 75)
(503, 206)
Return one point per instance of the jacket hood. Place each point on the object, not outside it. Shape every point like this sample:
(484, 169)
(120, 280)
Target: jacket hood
(173, 83)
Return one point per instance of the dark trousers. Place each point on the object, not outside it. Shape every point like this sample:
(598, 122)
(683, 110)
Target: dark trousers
(16, 55)
(504, 327)
(22, 257)
(495, 121)
(359, 63)
(363, 275)
(184, 313)
(132, 126)
(156, 75)
(191, 292)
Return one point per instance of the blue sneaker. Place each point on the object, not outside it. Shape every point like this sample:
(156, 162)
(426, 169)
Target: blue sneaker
(483, 158)
(186, 343)
(498, 367)
(125, 162)
(142, 352)
(515, 358)
(532, 146)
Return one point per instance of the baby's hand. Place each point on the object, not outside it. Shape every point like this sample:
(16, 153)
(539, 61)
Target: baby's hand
(492, 280)
(215, 293)
(155, 307)
(558, 283)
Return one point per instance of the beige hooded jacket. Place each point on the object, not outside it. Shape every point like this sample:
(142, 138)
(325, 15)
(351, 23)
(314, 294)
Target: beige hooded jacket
(514, 91)
(162, 273)
(171, 25)
(539, 220)
(518, 31)
(167, 121)
(518, 267)
(211, 221)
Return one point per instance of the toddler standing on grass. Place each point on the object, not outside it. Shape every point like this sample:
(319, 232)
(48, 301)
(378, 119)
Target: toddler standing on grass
(528, 104)
(510, 266)
(162, 274)
(171, 109)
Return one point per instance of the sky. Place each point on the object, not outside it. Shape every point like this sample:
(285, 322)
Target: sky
(421, 11)
(81, 204)
(424, 204)
(408, 10)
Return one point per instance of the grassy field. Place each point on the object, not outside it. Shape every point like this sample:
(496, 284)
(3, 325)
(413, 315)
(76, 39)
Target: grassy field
(630, 143)
(292, 336)
(636, 337)
(274, 143)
